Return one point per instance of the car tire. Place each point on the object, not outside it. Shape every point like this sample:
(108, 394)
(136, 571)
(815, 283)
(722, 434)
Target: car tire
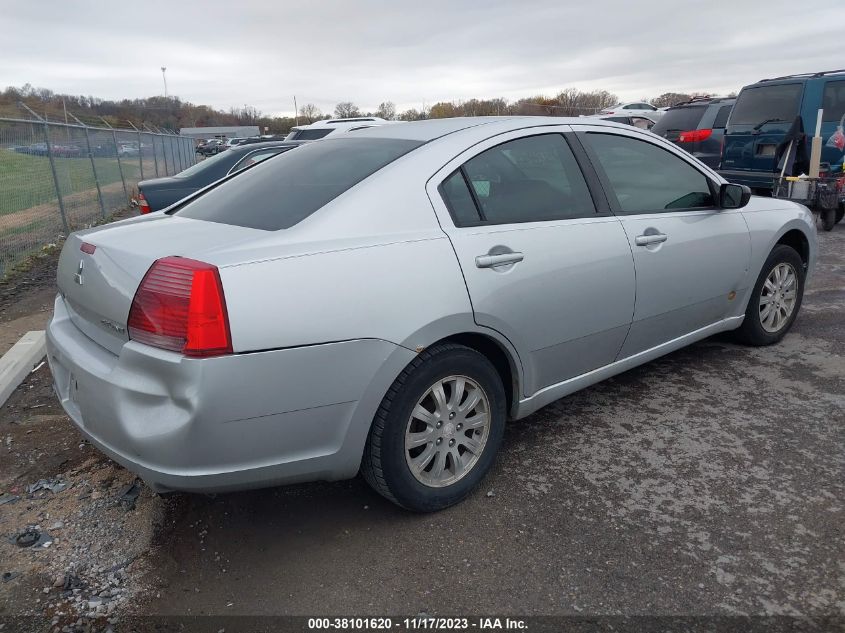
(762, 326)
(828, 218)
(415, 411)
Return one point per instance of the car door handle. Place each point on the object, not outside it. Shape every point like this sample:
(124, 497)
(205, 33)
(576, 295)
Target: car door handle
(491, 261)
(654, 238)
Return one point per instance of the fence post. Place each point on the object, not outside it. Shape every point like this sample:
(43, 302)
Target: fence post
(164, 153)
(155, 156)
(181, 153)
(93, 165)
(52, 167)
(140, 150)
(117, 153)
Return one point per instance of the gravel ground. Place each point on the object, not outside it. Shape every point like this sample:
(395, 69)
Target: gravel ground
(708, 483)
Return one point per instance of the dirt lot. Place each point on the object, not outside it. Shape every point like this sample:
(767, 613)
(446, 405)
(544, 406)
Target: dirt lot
(707, 483)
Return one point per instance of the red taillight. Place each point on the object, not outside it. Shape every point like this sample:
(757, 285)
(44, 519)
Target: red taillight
(87, 248)
(180, 306)
(143, 205)
(693, 136)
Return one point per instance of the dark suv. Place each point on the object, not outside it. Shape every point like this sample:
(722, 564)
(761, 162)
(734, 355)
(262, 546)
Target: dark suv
(770, 113)
(697, 126)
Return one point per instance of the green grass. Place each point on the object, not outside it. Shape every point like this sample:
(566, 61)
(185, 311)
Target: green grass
(26, 181)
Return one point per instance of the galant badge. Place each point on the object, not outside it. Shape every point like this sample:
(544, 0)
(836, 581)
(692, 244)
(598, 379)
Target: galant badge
(78, 276)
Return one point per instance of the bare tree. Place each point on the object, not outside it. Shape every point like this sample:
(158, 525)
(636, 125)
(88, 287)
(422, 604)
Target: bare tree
(310, 112)
(346, 109)
(670, 99)
(386, 110)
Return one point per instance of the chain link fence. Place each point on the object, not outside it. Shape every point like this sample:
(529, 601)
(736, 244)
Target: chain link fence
(61, 177)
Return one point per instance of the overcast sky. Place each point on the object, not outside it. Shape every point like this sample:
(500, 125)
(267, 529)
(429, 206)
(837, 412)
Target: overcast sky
(261, 54)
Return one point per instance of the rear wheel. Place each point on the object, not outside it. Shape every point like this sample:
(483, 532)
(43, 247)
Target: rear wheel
(828, 218)
(437, 430)
(775, 299)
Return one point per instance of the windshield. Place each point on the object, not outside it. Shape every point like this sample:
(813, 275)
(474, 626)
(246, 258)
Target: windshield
(202, 165)
(309, 134)
(777, 103)
(279, 193)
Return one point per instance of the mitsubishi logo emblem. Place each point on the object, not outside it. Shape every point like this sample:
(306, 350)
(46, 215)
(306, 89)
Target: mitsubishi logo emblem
(78, 276)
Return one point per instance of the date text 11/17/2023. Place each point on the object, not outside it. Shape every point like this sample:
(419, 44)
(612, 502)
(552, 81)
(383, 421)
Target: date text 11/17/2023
(417, 623)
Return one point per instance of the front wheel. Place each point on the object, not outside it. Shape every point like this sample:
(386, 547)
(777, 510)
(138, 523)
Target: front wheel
(437, 430)
(776, 298)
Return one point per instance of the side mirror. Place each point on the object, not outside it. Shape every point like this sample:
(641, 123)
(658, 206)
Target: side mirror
(733, 196)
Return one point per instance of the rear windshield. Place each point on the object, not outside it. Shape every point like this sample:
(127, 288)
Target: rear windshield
(679, 120)
(279, 193)
(767, 104)
(310, 135)
(203, 165)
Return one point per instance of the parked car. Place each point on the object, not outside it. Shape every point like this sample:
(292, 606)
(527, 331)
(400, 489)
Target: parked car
(59, 150)
(210, 147)
(159, 193)
(127, 149)
(321, 129)
(697, 126)
(638, 108)
(642, 122)
(756, 134)
(384, 301)
(234, 141)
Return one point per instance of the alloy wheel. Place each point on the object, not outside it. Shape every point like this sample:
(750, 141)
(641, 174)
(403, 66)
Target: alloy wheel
(447, 431)
(778, 297)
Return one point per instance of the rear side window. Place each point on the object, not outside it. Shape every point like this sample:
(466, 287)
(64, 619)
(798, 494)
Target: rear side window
(530, 179)
(721, 119)
(280, 193)
(777, 103)
(679, 120)
(647, 178)
(833, 101)
(310, 135)
(456, 193)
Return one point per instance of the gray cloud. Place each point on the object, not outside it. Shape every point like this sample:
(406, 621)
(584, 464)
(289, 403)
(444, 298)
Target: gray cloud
(262, 53)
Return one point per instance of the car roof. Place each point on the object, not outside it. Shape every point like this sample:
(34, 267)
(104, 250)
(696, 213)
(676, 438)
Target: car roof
(430, 129)
(702, 101)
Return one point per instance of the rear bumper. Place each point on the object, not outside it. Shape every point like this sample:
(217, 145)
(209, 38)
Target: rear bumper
(226, 423)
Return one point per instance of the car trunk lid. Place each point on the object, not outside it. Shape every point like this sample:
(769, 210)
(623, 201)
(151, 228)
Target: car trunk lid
(98, 282)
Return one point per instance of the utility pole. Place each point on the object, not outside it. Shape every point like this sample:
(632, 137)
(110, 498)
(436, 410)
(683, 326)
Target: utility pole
(295, 112)
(164, 77)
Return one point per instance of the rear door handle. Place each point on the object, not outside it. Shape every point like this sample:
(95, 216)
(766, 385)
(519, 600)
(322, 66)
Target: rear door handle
(654, 238)
(491, 261)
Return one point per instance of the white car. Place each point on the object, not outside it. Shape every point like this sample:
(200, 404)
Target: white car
(383, 301)
(321, 129)
(637, 108)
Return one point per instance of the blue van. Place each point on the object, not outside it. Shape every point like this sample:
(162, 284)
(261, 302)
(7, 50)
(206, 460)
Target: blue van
(757, 129)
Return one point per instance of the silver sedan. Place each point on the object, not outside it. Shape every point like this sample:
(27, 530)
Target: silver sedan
(383, 302)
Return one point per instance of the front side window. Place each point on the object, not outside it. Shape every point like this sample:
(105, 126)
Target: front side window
(530, 179)
(646, 178)
(833, 101)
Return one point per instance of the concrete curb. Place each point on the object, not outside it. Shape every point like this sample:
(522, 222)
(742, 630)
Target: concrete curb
(19, 361)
